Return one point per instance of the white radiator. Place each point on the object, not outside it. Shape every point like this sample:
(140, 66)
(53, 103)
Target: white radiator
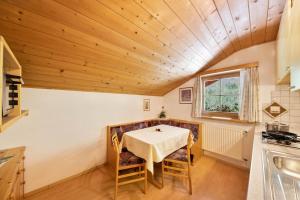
(225, 140)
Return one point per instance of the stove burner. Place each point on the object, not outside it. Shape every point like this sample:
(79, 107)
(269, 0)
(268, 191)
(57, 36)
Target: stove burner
(281, 138)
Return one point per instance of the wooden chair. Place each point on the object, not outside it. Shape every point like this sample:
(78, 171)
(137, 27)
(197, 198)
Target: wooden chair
(125, 162)
(178, 163)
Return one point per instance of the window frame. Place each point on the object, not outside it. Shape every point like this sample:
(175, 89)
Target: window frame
(215, 113)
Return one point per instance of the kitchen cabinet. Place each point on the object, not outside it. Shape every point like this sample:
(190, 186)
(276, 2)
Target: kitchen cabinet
(295, 46)
(284, 45)
(12, 174)
(288, 46)
(10, 89)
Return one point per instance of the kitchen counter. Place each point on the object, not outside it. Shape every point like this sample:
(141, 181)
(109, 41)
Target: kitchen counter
(10, 170)
(256, 185)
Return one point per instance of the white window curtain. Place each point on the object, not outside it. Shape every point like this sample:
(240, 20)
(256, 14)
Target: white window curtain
(197, 98)
(249, 81)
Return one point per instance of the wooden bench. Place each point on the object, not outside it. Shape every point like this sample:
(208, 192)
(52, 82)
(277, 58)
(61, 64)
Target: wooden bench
(120, 129)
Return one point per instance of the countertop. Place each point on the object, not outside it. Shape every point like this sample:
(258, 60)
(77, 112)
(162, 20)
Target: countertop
(8, 171)
(256, 185)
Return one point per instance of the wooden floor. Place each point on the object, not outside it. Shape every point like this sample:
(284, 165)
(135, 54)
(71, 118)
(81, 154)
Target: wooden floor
(211, 179)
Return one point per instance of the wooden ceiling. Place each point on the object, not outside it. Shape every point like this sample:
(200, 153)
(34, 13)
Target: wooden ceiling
(130, 46)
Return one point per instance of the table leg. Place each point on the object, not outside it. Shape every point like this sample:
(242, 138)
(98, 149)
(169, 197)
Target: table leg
(153, 179)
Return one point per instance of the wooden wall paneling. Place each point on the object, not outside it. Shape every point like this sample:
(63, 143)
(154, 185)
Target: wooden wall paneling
(189, 16)
(107, 78)
(132, 69)
(76, 21)
(275, 11)
(225, 15)
(240, 13)
(25, 52)
(55, 29)
(258, 16)
(144, 20)
(161, 11)
(56, 80)
(102, 15)
(209, 14)
(134, 46)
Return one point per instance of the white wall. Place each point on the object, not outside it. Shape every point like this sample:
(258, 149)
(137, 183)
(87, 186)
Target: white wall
(265, 54)
(65, 133)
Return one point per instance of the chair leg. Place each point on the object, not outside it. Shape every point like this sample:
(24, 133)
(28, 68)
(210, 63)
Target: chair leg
(190, 180)
(162, 173)
(117, 182)
(145, 184)
(140, 169)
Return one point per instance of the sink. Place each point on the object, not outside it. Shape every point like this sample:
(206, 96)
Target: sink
(4, 160)
(281, 175)
(288, 166)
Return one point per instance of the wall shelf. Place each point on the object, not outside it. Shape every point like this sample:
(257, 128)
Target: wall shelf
(9, 120)
(9, 65)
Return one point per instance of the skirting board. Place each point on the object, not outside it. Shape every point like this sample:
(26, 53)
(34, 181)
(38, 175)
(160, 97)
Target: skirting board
(236, 163)
(47, 187)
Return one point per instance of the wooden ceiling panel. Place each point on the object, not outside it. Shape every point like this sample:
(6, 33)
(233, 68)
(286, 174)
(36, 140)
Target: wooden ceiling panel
(258, 20)
(241, 17)
(130, 46)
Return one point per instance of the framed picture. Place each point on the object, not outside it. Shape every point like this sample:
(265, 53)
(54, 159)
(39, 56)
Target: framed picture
(275, 110)
(146, 104)
(185, 95)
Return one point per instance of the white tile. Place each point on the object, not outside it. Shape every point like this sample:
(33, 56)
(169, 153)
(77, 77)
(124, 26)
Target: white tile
(285, 117)
(295, 100)
(292, 125)
(275, 94)
(295, 94)
(266, 118)
(294, 119)
(285, 100)
(276, 99)
(277, 87)
(284, 93)
(294, 106)
(295, 112)
(284, 87)
(285, 105)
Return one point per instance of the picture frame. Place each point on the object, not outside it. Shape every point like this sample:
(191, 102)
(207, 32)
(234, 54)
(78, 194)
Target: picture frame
(275, 110)
(186, 95)
(146, 105)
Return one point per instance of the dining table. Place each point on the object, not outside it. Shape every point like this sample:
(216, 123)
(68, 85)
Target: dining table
(154, 143)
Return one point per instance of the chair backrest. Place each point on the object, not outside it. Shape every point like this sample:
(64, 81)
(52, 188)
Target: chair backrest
(116, 143)
(190, 142)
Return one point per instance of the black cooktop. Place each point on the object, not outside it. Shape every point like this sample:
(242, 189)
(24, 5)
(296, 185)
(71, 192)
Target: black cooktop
(281, 138)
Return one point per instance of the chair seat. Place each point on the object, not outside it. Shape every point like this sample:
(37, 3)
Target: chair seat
(180, 155)
(127, 158)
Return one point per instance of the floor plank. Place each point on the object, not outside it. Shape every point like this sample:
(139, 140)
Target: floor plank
(211, 179)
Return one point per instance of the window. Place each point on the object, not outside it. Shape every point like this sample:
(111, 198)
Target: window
(221, 95)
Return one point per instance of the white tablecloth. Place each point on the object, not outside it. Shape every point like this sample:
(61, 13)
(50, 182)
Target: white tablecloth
(154, 146)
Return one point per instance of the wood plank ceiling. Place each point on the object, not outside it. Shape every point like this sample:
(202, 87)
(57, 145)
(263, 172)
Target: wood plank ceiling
(130, 46)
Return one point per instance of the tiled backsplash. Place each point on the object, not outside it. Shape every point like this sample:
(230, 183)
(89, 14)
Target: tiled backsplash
(290, 101)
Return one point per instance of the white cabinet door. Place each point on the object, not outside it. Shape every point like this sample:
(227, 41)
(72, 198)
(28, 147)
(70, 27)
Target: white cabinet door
(295, 46)
(284, 44)
(295, 78)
